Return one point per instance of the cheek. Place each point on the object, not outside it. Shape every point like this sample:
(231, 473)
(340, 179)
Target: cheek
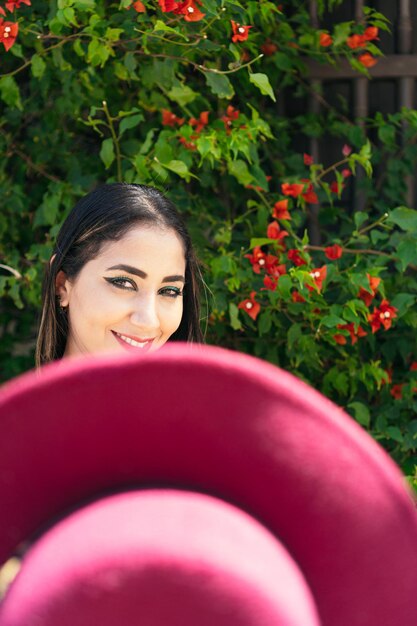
(172, 317)
(95, 308)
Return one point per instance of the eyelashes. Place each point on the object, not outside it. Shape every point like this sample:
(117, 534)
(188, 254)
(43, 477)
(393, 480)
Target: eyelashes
(127, 284)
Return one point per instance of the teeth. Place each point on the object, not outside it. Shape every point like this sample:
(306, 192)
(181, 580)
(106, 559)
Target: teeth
(132, 342)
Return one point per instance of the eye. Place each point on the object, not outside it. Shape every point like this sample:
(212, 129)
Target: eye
(170, 292)
(122, 282)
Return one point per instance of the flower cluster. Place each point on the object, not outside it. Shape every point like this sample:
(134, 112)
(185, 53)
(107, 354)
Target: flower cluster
(189, 9)
(355, 42)
(9, 30)
(198, 124)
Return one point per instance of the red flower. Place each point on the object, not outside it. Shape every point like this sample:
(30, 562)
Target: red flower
(340, 339)
(292, 189)
(200, 122)
(333, 252)
(8, 33)
(382, 316)
(310, 195)
(15, 4)
(308, 159)
(397, 391)
(2, 11)
(297, 297)
(367, 295)
(270, 283)
(356, 41)
(257, 259)
(318, 275)
(295, 256)
(269, 48)
(367, 60)
(190, 145)
(336, 187)
(139, 6)
(170, 119)
(371, 33)
(167, 6)
(354, 334)
(240, 32)
(413, 366)
(231, 115)
(272, 267)
(190, 10)
(280, 210)
(325, 40)
(274, 231)
(250, 305)
(346, 173)
(346, 150)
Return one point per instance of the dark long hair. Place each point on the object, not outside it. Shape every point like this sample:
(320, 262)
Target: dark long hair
(107, 214)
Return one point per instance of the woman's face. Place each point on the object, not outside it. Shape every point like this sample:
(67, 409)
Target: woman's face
(127, 298)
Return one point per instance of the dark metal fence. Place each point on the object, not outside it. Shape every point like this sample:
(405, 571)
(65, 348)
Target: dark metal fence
(392, 84)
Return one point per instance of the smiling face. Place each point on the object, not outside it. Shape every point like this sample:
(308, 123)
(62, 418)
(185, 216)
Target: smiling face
(129, 297)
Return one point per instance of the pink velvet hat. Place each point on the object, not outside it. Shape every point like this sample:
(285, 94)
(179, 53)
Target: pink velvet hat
(197, 487)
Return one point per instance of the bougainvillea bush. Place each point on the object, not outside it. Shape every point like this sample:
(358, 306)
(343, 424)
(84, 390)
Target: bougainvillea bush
(186, 96)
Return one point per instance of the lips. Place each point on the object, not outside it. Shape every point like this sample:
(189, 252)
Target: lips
(130, 343)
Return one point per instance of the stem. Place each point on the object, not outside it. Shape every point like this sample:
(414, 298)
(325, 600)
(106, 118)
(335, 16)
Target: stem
(115, 141)
(236, 69)
(27, 63)
(377, 223)
(12, 149)
(174, 43)
(331, 168)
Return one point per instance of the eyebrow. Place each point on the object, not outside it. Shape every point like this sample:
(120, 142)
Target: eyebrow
(137, 272)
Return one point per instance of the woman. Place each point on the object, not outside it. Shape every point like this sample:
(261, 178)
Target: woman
(123, 276)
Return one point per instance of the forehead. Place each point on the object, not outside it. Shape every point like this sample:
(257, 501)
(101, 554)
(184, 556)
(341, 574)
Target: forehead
(145, 247)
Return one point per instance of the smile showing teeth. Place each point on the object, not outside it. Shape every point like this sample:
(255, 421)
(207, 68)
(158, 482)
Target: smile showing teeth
(132, 342)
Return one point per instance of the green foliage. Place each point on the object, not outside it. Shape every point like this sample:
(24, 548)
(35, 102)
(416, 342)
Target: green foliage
(94, 91)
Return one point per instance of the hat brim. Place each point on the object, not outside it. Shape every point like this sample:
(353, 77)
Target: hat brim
(229, 425)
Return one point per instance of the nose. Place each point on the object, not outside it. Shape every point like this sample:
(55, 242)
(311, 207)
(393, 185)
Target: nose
(144, 314)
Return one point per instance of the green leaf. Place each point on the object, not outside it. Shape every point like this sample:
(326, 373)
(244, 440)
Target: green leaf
(182, 94)
(331, 321)
(293, 335)
(284, 286)
(130, 122)
(283, 61)
(262, 82)
(403, 301)
(265, 322)
(361, 413)
(161, 27)
(395, 433)
(407, 252)
(404, 217)
(386, 134)
(113, 34)
(38, 66)
(98, 53)
(220, 85)
(234, 316)
(10, 93)
(107, 154)
(260, 241)
(341, 33)
(180, 168)
(240, 171)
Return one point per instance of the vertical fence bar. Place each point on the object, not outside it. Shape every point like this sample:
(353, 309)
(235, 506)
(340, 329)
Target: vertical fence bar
(406, 83)
(314, 107)
(360, 111)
